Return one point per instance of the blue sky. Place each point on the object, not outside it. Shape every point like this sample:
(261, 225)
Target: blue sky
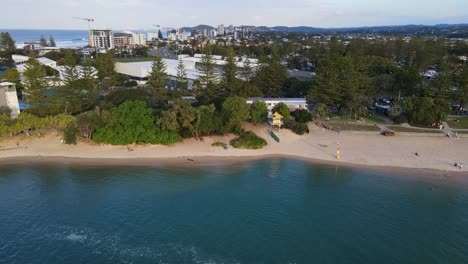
(142, 14)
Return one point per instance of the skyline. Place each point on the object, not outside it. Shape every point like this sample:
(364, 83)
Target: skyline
(142, 14)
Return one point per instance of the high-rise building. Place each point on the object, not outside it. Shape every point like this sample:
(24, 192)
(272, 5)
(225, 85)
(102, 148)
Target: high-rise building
(122, 40)
(213, 33)
(101, 39)
(139, 39)
(221, 30)
(231, 29)
(152, 36)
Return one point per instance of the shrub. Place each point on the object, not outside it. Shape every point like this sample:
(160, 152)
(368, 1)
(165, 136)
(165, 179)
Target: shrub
(5, 110)
(298, 128)
(258, 112)
(70, 132)
(302, 116)
(133, 122)
(120, 96)
(248, 140)
(218, 144)
(400, 119)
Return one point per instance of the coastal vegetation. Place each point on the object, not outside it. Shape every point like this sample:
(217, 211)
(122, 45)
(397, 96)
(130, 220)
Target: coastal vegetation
(351, 75)
(248, 140)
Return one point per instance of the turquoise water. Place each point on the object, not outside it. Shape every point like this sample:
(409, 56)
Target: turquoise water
(269, 211)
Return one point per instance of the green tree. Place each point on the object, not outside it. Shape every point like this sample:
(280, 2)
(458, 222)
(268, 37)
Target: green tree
(12, 75)
(271, 75)
(320, 110)
(157, 81)
(52, 41)
(246, 72)
(105, 65)
(301, 116)
(258, 112)
(35, 86)
(230, 81)
(462, 93)
(425, 110)
(283, 110)
(89, 121)
(120, 96)
(134, 123)
(181, 80)
(7, 49)
(210, 121)
(168, 121)
(71, 73)
(43, 41)
(235, 111)
(208, 91)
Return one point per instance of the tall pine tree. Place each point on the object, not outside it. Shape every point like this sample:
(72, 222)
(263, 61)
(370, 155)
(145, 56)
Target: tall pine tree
(7, 49)
(52, 41)
(230, 81)
(35, 86)
(181, 80)
(157, 81)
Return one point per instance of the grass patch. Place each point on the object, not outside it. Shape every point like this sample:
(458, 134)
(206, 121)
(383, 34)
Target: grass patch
(137, 59)
(218, 144)
(371, 119)
(376, 119)
(412, 130)
(461, 124)
(248, 140)
(352, 127)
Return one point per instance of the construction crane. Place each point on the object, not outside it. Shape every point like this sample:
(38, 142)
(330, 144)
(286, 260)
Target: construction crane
(90, 20)
(157, 30)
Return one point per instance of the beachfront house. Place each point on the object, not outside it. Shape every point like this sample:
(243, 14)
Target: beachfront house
(292, 103)
(9, 98)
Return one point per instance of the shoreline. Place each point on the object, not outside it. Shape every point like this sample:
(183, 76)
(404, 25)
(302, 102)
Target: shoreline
(185, 162)
(362, 151)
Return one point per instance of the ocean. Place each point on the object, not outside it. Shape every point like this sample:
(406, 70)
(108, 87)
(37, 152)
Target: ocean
(267, 211)
(63, 38)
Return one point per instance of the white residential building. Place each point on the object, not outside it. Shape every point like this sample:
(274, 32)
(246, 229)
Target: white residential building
(292, 103)
(152, 36)
(20, 62)
(101, 39)
(139, 71)
(9, 98)
(139, 39)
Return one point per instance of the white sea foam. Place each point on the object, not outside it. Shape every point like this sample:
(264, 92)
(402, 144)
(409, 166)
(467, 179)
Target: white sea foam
(76, 237)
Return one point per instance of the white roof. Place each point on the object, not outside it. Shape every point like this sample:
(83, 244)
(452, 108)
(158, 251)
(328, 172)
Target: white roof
(283, 100)
(6, 84)
(143, 69)
(45, 61)
(19, 58)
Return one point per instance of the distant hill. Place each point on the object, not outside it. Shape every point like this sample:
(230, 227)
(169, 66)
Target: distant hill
(448, 30)
(199, 27)
(367, 29)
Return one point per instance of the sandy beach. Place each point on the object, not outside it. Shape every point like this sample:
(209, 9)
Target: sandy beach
(357, 148)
